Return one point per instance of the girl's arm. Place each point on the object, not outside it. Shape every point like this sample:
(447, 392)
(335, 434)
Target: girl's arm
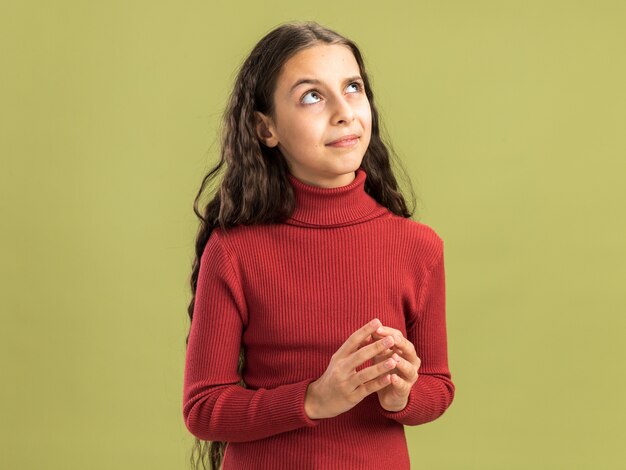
(433, 392)
(215, 406)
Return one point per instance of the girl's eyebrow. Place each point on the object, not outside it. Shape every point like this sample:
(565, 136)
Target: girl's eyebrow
(314, 81)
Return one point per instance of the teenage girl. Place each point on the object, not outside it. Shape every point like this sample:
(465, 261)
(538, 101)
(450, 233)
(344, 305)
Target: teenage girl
(318, 313)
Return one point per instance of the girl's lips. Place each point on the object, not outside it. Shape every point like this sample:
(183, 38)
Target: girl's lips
(344, 143)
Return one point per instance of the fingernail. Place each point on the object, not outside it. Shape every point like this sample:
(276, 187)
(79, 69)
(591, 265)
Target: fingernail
(388, 341)
(375, 322)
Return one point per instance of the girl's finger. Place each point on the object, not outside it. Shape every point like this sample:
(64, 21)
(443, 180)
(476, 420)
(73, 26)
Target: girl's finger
(402, 346)
(399, 383)
(407, 349)
(386, 331)
(366, 341)
(408, 370)
(383, 356)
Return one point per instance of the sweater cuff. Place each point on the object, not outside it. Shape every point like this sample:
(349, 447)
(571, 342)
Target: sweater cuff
(290, 400)
(428, 399)
(404, 412)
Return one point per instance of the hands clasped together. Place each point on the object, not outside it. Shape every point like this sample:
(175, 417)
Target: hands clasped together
(393, 373)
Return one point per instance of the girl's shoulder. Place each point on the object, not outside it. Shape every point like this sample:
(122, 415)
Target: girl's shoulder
(421, 236)
(419, 230)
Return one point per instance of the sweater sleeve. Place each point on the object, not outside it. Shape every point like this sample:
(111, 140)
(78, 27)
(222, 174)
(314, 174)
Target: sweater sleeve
(215, 406)
(433, 391)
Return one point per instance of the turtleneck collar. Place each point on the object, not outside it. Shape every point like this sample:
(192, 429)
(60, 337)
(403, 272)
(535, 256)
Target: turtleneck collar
(333, 207)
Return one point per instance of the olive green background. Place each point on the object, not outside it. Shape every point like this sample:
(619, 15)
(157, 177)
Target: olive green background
(510, 117)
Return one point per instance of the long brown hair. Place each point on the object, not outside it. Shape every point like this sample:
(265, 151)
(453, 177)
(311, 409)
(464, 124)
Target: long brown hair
(254, 188)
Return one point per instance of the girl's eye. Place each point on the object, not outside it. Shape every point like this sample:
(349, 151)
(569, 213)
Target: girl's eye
(314, 92)
(358, 85)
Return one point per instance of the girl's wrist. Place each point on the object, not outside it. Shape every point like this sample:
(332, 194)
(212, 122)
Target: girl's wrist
(395, 409)
(310, 403)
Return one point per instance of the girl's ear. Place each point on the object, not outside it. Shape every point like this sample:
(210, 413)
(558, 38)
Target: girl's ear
(264, 130)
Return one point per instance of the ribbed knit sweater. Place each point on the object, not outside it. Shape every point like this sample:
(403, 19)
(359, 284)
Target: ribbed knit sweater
(292, 294)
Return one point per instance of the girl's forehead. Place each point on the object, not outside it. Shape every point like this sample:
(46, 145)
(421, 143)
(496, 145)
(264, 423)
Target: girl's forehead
(320, 62)
(321, 56)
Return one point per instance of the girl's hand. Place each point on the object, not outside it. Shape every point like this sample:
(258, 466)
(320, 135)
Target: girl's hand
(341, 387)
(395, 396)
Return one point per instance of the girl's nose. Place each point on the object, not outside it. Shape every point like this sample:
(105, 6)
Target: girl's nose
(343, 111)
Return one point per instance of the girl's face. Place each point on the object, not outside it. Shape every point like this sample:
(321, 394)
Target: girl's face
(319, 98)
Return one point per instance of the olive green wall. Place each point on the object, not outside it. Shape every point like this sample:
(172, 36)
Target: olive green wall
(510, 117)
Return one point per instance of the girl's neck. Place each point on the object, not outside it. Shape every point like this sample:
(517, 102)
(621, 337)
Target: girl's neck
(333, 207)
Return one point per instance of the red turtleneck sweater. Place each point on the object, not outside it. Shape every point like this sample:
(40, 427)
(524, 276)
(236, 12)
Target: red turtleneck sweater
(292, 294)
